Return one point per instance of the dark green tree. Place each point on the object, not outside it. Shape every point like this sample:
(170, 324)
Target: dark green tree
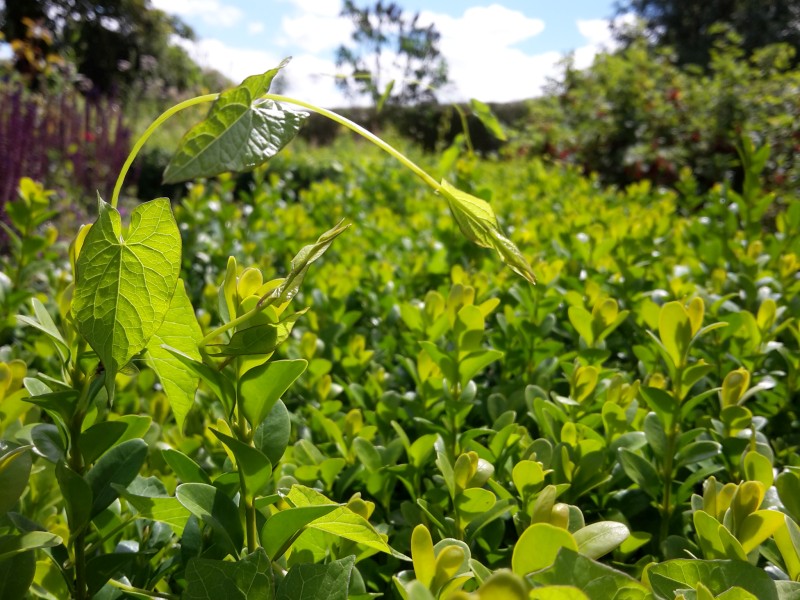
(688, 25)
(394, 58)
(112, 42)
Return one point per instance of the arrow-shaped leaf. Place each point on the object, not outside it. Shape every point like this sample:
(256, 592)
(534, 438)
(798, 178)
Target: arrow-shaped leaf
(240, 132)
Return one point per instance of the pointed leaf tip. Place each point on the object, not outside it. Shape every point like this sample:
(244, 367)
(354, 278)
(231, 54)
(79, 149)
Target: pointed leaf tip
(478, 223)
(241, 131)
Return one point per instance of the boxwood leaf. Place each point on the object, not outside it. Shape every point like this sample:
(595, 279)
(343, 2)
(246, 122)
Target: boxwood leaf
(538, 547)
(598, 539)
(640, 471)
(11, 545)
(15, 469)
(697, 452)
(717, 575)
(248, 579)
(165, 509)
(261, 387)
(675, 331)
(475, 362)
(788, 485)
(120, 466)
(344, 523)
(314, 581)
(258, 339)
(593, 578)
(787, 539)
(77, 496)
(44, 323)
(99, 438)
(272, 436)
(284, 526)
(184, 467)
(216, 510)
(125, 281)
(16, 574)
(757, 527)
(179, 330)
(240, 132)
(103, 567)
(557, 592)
(422, 554)
(252, 464)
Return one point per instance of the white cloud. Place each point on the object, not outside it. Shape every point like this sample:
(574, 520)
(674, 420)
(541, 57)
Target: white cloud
(483, 64)
(308, 77)
(236, 63)
(255, 27)
(596, 31)
(212, 12)
(315, 32)
(324, 8)
(598, 34)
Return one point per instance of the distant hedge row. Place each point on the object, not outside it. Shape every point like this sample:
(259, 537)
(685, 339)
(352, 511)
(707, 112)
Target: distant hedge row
(635, 115)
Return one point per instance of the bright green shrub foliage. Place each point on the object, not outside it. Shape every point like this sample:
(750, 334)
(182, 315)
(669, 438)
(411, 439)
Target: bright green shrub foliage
(421, 424)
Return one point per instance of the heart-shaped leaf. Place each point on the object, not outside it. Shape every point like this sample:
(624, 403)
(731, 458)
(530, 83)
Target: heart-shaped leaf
(125, 281)
(240, 132)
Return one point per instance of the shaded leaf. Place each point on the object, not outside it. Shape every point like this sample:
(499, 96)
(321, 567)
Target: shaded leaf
(216, 510)
(315, 581)
(240, 132)
(717, 575)
(248, 579)
(119, 466)
(15, 468)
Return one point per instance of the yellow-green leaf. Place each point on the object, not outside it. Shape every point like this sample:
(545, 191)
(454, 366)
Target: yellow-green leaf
(478, 223)
(538, 547)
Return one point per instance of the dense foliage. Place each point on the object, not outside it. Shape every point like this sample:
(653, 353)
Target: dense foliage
(114, 44)
(421, 424)
(637, 114)
(690, 27)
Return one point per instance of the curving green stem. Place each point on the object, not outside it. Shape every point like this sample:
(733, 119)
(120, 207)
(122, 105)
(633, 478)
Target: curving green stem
(148, 132)
(366, 134)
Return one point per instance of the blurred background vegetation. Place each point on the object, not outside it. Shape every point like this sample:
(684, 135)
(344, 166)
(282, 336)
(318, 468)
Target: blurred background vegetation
(670, 104)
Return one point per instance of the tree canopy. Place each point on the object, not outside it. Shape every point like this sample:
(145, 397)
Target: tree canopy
(111, 42)
(687, 25)
(393, 57)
